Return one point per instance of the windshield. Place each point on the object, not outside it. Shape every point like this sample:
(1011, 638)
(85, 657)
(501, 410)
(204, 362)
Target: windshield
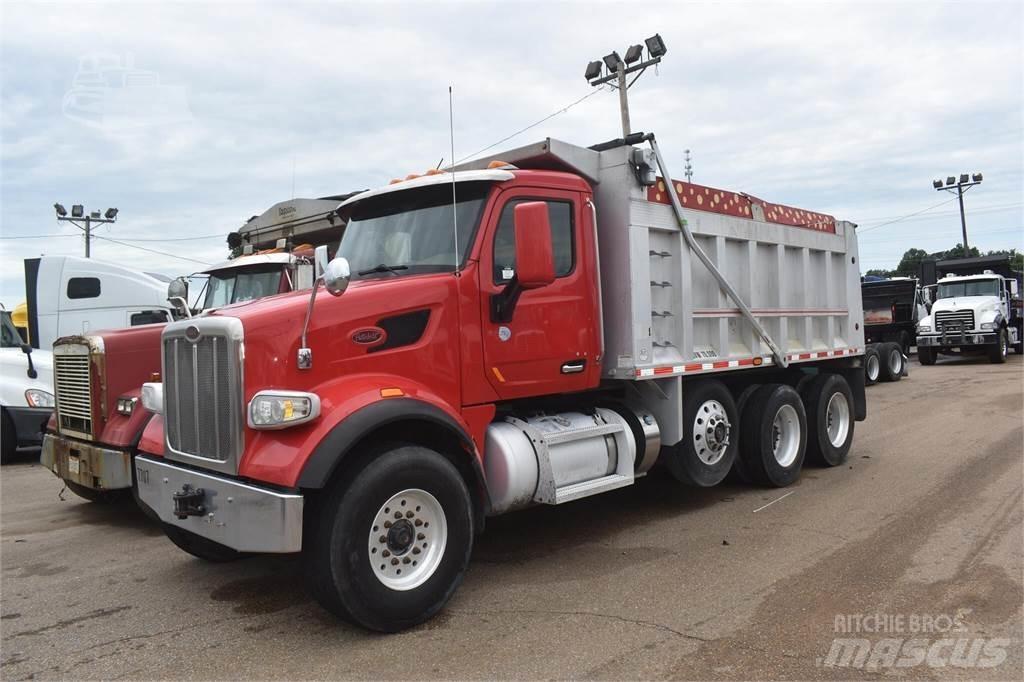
(234, 286)
(11, 338)
(411, 231)
(971, 287)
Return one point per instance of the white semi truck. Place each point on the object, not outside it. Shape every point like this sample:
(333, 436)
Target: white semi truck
(972, 314)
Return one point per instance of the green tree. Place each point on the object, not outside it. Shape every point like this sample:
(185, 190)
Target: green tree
(879, 272)
(911, 261)
(958, 252)
(1016, 257)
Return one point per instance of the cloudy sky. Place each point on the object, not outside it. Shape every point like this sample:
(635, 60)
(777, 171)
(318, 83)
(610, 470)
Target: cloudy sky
(845, 108)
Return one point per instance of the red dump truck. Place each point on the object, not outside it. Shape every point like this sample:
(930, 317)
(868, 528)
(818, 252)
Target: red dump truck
(535, 328)
(92, 435)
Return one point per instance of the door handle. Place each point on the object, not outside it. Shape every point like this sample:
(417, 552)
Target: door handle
(573, 366)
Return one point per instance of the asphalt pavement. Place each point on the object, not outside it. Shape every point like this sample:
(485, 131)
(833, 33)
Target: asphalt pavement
(912, 550)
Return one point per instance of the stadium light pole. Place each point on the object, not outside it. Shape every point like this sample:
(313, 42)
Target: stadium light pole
(616, 69)
(78, 214)
(959, 185)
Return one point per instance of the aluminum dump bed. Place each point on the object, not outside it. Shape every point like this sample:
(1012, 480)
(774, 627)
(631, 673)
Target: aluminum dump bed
(666, 314)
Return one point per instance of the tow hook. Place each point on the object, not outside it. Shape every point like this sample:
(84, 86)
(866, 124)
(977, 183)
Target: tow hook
(189, 502)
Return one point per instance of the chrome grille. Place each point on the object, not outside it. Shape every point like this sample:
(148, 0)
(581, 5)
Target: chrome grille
(962, 318)
(73, 386)
(203, 392)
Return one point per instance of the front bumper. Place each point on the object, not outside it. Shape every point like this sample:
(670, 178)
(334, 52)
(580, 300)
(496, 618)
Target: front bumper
(29, 423)
(956, 339)
(243, 517)
(86, 464)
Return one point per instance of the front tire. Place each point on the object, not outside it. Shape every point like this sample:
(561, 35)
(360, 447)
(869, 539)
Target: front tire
(997, 351)
(828, 401)
(775, 442)
(9, 438)
(392, 540)
(926, 356)
(711, 427)
(890, 358)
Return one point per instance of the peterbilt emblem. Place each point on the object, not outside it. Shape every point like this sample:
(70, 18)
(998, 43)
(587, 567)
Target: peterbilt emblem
(369, 336)
(192, 333)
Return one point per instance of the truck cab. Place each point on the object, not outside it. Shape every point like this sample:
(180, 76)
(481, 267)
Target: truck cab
(971, 314)
(99, 418)
(26, 389)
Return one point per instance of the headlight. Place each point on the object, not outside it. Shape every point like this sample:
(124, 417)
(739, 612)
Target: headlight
(988, 325)
(153, 397)
(126, 406)
(923, 329)
(37, 398)
(281, 409)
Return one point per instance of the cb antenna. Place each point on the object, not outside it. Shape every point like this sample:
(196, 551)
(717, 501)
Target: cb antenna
(451, 137)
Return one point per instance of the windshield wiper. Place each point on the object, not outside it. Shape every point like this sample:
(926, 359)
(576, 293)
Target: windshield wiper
(383, 268)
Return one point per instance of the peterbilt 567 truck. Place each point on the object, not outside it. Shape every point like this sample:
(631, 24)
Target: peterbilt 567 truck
(98, 376)
(537, 327)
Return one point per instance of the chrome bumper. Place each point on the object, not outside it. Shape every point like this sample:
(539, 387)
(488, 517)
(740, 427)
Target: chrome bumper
(234, 514)
(87, 465)
(953, 339)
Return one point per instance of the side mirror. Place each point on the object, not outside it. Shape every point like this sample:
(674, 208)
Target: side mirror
(177, 295)
(27, 350)
(319, 261)
(1013, 287)
(535, 262)
(337, 275)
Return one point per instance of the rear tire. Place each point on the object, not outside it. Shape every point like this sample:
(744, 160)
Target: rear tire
(775, 429)
(708, 449)
(890, 360)
(9, 438)
(200, 547)
(926, 356)
(828, 401)
(997, 351)
(358, 550)
(872, 366)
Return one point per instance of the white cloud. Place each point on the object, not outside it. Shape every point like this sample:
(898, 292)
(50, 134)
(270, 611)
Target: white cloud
(849, 108)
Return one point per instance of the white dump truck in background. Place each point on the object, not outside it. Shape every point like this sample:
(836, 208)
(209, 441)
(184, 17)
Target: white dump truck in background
(971, 314)
(26, 390)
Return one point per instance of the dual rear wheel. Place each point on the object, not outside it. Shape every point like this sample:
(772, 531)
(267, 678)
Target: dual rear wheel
(780, 428)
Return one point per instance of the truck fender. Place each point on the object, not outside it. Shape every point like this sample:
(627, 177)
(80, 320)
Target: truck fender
(339, 442)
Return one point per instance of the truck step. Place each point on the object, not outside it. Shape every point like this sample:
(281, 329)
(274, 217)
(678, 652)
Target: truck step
(592, 487)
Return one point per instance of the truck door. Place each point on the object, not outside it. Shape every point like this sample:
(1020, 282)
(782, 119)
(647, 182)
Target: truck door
(551, 344)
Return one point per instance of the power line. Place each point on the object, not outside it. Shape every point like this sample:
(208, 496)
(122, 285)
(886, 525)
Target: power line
(143, 248)
(532, 125)
(134, 239)
(909, 215)
(986, 209)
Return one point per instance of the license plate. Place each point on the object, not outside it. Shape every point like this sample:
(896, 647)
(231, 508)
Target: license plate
(73, 465)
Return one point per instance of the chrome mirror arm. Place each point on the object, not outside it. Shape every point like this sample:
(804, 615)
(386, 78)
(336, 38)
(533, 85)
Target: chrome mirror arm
(304, 360)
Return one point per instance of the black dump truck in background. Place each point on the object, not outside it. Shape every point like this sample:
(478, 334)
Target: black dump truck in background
(892, 308)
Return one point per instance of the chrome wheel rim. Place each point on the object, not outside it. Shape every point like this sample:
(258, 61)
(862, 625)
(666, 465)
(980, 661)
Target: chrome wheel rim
(711, 430)
(407, 539)
(786, 435)
(837, 419)
(1002, 344)
(895, 361)
(873, 367)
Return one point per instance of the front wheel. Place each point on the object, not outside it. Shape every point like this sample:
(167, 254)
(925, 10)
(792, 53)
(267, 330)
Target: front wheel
(997, 351)
(926, 356)
(9, 437)
(392, 541)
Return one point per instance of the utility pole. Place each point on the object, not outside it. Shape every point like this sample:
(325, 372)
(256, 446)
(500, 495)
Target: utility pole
(79, 215)
(617, 68)
(688, 168)
(961, 185)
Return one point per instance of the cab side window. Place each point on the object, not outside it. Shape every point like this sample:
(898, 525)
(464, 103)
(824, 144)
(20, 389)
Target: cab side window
(563, 244)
